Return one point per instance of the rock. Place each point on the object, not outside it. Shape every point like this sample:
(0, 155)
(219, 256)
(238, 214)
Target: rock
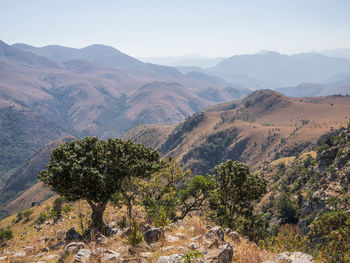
(146, 254)
(51, 257)
(269, 261)
(29, 249)
(3, 258)
(126, 232)
(181, 249)
(38, 228)
(101, 239)
(74, 247)
(222, 255)
(60, 235)
(73, 235)
(227, 230)
(153, 235)
(234, 236)
(214, 237)
(41, 254)
(293, 257)
(218, 230)
(44, 249)
(19, 254)
(165, 249)
(82, 256)
(196, 238)
(181, 236)
(175, 258)
(57, 246)
(172, 239)
(192, 246)
(109, 255)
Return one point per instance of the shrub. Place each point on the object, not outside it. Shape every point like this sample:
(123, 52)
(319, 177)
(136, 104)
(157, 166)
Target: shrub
(5, 235)
(331, 234)
(136, 236)
(27, 213)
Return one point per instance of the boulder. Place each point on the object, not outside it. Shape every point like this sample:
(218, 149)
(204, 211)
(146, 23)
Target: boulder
(19, 254)
(293, 257)
(181, 236)
(192, 246)
(29, 249)
(110, 256)
(214, 237)
(82, 256)
(166, 249)
(4, 258)
(73, 235)
(146, 254)
(153, 235)
(172, 239)
(74, 247)
(222, 255)
(174, 258)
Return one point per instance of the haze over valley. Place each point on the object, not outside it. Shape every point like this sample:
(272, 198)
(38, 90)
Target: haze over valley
(183, 131)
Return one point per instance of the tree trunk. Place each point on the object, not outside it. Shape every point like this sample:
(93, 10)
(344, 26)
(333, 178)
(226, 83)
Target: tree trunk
(97, 214)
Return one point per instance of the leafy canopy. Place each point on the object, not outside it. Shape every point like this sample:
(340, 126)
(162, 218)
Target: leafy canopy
(94, 169)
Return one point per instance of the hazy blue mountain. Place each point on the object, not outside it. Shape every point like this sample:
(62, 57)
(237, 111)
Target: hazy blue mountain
(102, 55)
(278, 70)
(339, 86)
(190, 60)
(337, 53)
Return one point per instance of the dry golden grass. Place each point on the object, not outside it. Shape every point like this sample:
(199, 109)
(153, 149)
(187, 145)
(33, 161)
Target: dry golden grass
(26, 235)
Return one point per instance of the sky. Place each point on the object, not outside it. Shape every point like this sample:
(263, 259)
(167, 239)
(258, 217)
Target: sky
(145, 28)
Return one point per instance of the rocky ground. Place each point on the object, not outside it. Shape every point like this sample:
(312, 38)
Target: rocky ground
(185, 241)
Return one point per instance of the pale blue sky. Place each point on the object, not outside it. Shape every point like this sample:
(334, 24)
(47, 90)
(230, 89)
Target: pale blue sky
(168, 28)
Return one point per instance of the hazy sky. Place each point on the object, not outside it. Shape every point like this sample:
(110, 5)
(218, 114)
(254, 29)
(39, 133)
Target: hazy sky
(144, 28)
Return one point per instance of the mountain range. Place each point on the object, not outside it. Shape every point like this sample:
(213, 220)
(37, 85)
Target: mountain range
(54, 91)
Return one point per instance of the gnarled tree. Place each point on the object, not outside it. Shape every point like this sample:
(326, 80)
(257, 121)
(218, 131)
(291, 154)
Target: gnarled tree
(94, 170)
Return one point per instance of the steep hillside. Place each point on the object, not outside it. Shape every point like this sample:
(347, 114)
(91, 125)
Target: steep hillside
(262, 127)
(312, 183)
(22, 133)
(26, 175)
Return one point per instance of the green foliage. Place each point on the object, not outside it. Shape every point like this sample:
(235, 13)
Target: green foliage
(44, 216)
(94, 170)
(67, 208)
(331, 234)
(213, 151)
(237, 190)
(176, 137)
(5, 234)
(136, 236)
(191, 255)
(287, 209)
(287, 239)
(27, 213)
(160, 193)
(56, 211)
(196, 194)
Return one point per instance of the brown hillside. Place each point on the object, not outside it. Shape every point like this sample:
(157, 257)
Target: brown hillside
(262, 127)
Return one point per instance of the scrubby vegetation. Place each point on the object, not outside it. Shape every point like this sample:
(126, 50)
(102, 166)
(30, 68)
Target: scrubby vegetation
(301, 205)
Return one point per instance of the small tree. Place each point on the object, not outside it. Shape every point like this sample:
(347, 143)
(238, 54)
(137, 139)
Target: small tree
(94, 170)
(236, 192)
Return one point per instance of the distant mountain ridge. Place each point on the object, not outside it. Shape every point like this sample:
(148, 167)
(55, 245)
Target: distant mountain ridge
(96, 90)
(282, 70)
